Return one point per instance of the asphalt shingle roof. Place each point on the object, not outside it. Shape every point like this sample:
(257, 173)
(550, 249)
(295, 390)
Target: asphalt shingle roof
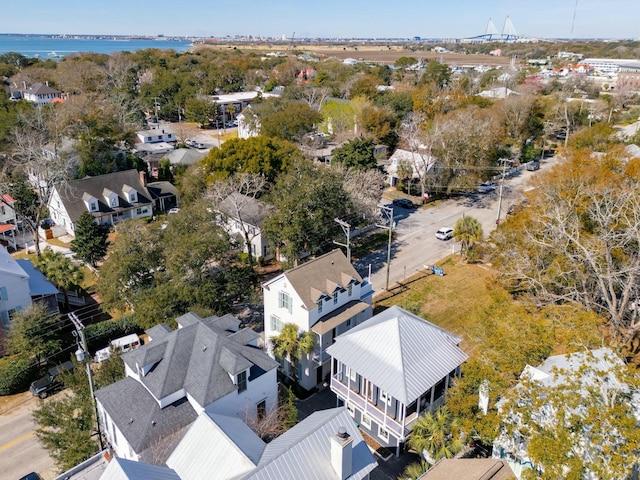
(197, 358)
(72, 195)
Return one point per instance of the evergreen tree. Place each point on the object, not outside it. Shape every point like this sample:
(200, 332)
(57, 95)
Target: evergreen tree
(91, 242)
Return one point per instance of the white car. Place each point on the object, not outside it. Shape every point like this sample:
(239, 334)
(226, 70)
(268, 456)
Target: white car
(486, 187)
(445, 233)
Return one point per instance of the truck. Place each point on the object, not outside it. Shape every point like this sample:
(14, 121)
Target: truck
(50, 383)
(122, 345)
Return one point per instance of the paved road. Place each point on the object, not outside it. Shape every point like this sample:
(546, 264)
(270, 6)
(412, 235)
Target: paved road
(20, 450)
(416, 246)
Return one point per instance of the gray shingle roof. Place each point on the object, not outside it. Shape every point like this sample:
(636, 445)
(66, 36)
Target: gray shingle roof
(139, 417)
(197, 358)
(320, 276)
(72, 194)
(253, 211)
(399, 352)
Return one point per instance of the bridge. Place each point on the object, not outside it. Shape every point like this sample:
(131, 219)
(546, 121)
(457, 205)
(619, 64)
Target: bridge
(491, 34)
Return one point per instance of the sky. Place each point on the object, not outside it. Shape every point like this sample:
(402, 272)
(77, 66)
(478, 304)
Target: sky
(327, 18)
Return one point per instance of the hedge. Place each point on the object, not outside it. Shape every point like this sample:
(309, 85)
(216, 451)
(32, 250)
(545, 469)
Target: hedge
(16, 374)
(100, 334)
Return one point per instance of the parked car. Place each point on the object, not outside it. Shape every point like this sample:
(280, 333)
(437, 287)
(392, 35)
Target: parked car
(445, 233)
(198, 145)
(533, 166)
(188, 142)
(31, 476)
(403, 203)
(50, 383)
(486, 187)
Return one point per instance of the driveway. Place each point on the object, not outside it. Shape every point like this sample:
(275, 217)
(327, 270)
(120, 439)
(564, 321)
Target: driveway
(416, 247)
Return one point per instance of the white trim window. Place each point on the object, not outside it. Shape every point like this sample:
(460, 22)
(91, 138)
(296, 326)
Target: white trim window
(284, 301)
(366, 421)
(353, 375)
(276, 323)
(319, 303)
(335, 297)
(385, 397)
(351, 408)
(383, 434)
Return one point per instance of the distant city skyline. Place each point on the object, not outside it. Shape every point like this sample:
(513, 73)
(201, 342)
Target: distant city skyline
(327, 19)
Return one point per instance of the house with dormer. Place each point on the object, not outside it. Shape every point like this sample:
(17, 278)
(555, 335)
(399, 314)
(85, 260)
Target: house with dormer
(326, 296)
(110, 199)
(390, 369)
(208, 365)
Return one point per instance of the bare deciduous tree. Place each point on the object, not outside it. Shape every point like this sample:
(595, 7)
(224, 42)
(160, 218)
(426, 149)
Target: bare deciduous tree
(237, 196)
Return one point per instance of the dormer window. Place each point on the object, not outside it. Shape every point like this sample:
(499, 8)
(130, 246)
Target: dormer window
(130, 193)
(110, 197)
(90, 202)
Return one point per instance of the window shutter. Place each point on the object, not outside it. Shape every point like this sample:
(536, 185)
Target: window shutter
(3, 293)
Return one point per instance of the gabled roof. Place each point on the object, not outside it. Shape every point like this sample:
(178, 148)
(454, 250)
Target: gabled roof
(228, 447)
(40, 89)
(139, 417)
(161, 189)
(179, 156)
(399, 352)
(38, 283)
(123, 469)
(216, 443)
(253, 211)
(72, 195)
(199, 358)
(319, 277)
(9, 265)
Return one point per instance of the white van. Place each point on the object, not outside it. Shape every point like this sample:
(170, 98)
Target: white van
(122, 344)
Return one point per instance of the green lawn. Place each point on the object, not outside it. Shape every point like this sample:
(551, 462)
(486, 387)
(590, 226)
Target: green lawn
(454, 302)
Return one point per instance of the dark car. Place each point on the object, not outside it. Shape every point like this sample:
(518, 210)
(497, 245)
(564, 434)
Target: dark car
(533, 166)
(50, 383)
(31, 476)
(403, 202)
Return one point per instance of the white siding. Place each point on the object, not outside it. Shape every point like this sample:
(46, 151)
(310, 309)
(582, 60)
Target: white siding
(241, 405)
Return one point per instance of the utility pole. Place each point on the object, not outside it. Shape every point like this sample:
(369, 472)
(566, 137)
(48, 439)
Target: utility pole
(346, 228)
(82, 355)
(156, 107)
(388, 215)
(504, 169)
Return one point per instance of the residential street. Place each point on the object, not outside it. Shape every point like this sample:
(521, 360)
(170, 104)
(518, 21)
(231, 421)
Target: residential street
(20, 450)
(416, 245)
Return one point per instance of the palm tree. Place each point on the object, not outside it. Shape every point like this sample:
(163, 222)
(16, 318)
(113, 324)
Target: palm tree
(436, 435)
(291, 346)
(467, 231)
(61, 271)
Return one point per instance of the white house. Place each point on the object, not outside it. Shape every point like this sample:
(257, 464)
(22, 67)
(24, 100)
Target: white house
(596, 371)
(419, 163)
(390, 369)
(326, 296)
(205, 366)
(242, 214)
(324, 446)
(20, 285)
(155, 141)
(41, 94)
(109, 198)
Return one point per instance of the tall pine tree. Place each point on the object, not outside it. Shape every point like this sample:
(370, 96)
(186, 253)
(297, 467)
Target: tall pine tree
(91, 242)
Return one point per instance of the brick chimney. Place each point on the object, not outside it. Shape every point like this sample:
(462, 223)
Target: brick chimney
(143, 177)
(341, 453)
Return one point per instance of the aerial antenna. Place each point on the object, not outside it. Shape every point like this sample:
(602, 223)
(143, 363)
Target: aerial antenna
(573, 22)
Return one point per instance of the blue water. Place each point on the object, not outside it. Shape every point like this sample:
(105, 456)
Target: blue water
(45, 47)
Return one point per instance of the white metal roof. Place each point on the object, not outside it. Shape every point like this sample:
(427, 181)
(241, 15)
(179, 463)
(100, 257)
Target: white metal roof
(122, 469)
(399, 352)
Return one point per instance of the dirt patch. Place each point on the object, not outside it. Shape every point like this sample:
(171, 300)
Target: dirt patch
(9, 403)
(371, 53)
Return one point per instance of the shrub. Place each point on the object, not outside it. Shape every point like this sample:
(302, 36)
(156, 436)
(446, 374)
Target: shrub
(16, 374)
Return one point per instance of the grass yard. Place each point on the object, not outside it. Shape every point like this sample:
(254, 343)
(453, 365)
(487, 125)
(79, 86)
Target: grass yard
(454, 302)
